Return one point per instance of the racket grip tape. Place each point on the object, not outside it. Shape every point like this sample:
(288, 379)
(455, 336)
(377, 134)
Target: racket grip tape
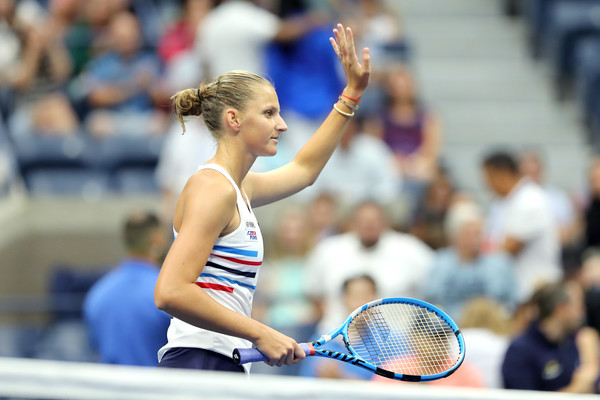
(243, 356)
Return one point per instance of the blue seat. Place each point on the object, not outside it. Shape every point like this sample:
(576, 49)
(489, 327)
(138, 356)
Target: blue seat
(68, 285)
(37, 152)
(569, 22)
(536, 14)
(595, 124)
(65, 341)
(18, 340)
(90, 184)
(57, 166)
(587, 75)
(66, 337)
(8, 165)
(135, 180)
(117, 152)
(130, 162)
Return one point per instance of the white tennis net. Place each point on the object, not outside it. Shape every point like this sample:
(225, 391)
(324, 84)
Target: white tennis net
(35, 379)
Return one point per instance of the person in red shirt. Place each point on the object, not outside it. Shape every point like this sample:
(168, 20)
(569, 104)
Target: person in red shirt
(180, 37)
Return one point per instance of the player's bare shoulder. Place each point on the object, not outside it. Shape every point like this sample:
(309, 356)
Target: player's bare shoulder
(206, 191)
(210, 183)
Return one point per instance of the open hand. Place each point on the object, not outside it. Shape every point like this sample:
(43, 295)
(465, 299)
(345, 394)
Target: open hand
(357, 74)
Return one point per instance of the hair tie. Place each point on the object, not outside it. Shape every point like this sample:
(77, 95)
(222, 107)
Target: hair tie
(197, 93)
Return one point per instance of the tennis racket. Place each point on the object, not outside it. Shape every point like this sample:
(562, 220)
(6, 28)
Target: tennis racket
(397, 338)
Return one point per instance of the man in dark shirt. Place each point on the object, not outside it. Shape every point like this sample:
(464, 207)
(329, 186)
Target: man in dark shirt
(554, 353)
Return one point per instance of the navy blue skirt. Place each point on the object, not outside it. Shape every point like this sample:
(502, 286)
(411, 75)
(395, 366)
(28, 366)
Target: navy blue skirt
(193, 358)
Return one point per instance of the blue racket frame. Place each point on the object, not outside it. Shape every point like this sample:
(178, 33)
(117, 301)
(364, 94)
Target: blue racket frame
(354, 359)
(242, 356)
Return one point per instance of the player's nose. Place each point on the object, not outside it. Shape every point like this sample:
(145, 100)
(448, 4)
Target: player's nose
(281, 125)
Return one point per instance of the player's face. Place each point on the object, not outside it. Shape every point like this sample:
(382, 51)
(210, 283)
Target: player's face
(261, 124)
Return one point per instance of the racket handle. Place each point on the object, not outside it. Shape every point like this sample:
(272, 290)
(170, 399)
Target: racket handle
(243, 356)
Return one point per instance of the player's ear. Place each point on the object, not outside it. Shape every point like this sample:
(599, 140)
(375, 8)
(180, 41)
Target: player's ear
(232, 119)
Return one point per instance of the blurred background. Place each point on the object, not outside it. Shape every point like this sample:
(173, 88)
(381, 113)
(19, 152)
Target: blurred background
(87, 139)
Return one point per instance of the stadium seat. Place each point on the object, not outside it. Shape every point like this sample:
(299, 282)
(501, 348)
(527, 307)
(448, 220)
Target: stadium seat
(124, 151)
(18, 340)
(8, 167)
(68, 181)
(68, 286)
(536, 17)
(595, 124)
(135, 180)
(66, 337)
(130, 161)
(65, 341)
(57, 166)
(569, 22)
(587, 75)
(37, 152)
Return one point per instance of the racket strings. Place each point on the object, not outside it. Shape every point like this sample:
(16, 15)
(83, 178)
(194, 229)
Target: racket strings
(404, 338)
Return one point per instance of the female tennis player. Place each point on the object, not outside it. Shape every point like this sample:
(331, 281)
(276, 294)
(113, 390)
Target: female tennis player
(208, 278)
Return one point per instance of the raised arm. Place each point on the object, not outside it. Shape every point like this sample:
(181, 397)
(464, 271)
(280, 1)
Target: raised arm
(209, 203)
(303, 170)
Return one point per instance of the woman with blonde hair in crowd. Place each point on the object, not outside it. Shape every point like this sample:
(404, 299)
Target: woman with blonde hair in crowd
(486, 326)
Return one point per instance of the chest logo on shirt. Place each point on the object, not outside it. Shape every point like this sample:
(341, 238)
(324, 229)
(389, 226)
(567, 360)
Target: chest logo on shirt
(251, 236)
(250, 224)
(552, 370)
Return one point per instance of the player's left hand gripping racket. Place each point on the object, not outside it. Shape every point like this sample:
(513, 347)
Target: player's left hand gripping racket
(398, 338)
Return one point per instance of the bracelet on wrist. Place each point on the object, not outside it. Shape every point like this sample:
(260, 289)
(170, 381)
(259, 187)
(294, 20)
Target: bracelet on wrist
(350, 98)
(343, 112)
(350, 106)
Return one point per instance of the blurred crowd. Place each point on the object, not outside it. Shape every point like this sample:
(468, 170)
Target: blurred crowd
(520, 276)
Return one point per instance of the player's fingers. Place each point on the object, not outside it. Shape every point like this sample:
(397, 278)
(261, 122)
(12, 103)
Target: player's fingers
(350, 42)
(366, 60)
(289, 359)
(281, 361)
(299, 354)
(334, 45)
(338, 38)
(340, 28)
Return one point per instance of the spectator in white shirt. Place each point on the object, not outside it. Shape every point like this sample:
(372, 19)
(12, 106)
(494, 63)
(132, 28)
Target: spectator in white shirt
(522, 224)
(235, 34)
(397, 262)
(361, 168)
(180, 158)
(530, 164)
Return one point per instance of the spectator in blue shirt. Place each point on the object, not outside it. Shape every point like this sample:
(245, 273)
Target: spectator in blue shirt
(122, 84)
(554, 353)
(461, 272)
(125, 325)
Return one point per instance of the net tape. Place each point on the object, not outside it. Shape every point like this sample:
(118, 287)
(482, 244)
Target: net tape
(53, 380)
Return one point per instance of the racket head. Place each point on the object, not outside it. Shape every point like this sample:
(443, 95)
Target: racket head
(405, 339)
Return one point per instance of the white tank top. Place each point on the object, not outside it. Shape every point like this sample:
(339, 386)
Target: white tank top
(229, 277)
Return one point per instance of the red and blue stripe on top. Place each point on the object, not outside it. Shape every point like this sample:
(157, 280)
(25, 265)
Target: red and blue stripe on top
(231, 267)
